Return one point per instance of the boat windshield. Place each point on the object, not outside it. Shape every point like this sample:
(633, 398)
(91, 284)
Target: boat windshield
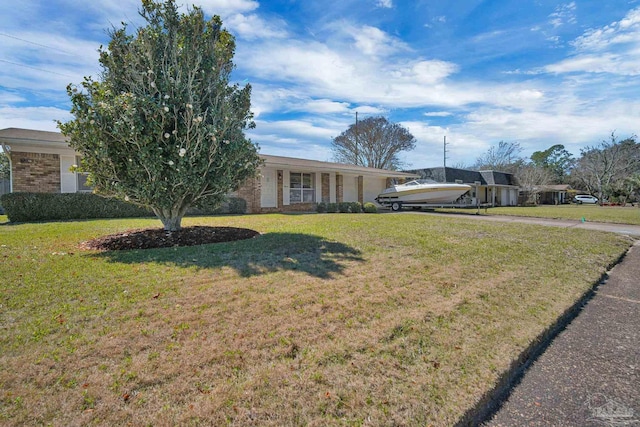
(419, 182)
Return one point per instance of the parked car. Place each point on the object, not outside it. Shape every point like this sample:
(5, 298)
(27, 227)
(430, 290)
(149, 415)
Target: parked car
(585, 198)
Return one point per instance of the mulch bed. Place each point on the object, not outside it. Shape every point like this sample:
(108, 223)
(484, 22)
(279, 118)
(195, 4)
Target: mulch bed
(159, 238)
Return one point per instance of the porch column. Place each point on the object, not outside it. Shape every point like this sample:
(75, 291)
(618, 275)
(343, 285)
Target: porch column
(280, 190)
(339, 188)
(361, 189)
(326, 187)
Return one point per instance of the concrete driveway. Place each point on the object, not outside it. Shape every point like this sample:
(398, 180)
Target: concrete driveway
(630, 230)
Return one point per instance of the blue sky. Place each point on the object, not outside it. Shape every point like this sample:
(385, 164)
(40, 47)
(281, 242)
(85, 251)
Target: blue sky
(534, 72)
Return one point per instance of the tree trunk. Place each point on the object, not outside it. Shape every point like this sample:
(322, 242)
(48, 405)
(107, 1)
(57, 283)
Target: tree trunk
(171, 218)
(172, 224)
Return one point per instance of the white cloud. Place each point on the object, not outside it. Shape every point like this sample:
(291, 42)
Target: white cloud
(369, 110)
(563, 14)
(38, 118)
(429, 151)
(387, 4)
(604, 63)
(225, 8)
(614, 49)
(251, 27)
(323, 106)
(438, 114)
(323, 72)
(624, 31)
(373, 41)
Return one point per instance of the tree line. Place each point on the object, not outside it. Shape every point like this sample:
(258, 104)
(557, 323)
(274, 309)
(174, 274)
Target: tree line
(609, 170)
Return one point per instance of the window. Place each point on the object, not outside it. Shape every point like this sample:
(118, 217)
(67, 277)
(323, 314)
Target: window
(301, 188)
(81, 180)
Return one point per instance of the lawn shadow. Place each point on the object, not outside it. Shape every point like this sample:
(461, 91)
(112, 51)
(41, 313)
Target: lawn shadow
(266, 253)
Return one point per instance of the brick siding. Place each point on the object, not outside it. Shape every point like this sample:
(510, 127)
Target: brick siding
(35, 172)
(326, 187)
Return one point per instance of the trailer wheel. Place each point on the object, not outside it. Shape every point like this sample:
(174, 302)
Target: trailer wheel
(396, 206)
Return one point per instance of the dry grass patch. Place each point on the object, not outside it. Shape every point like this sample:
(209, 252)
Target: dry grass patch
(322, 320)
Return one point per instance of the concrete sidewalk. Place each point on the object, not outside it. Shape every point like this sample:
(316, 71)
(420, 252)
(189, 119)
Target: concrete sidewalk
(590, 373)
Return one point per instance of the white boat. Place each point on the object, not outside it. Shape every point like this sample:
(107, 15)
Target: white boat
(421, 192)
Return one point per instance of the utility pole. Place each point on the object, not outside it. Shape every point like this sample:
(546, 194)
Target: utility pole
(356, 139)
(445, 151)
(445, 159)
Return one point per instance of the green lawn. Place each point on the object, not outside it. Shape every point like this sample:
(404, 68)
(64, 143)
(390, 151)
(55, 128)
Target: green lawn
(331, 319)
(614, 214)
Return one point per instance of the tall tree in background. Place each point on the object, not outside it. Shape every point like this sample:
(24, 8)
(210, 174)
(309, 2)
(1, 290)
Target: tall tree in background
(504, 157)
(532, 179)
(602, 169)
(163, 128)
(5, 166)
(374, 142)
(557, 160)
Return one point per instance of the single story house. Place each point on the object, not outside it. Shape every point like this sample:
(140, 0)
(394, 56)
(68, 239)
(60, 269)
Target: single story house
(41, 162)
(555, 194)
(489, 187)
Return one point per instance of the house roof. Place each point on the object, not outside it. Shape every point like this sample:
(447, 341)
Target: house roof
(558, 187)
(441, 174)
(16, 137)
(316, 165)
(45, 141)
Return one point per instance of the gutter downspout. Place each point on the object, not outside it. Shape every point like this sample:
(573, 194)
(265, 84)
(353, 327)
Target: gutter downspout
(7, 150)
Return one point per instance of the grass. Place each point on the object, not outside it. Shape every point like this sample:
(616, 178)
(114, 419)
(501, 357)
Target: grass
(333, 319)
(595, 213)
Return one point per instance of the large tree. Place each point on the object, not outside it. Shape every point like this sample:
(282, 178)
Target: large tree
(162, 127)
(374, 142)
(532, 179)
(504, 157)
(5, 166)
(557, 160)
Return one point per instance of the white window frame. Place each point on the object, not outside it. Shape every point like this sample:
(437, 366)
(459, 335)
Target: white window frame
(304, 190)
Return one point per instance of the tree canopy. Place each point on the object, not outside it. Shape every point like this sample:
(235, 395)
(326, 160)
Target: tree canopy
(504, 157)
(373, 142)
(5, 166)
(163, 127)
(604, 170)
(555, 159)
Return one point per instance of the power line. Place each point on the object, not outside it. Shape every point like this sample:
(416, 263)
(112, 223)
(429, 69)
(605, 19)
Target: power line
(36, 68)
(37, 44)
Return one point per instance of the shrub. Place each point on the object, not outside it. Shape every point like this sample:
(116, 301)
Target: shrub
(332, 207)
(355, 207)
(343, 207)
(370, 208)
(25, 207)
(230, 205)
(236, 205)
(321, 207)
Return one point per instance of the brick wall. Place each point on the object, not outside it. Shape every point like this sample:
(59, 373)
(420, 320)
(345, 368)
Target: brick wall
(326, 187)
(361, 189)
(250, 192)
(339, 188)
(35, 172)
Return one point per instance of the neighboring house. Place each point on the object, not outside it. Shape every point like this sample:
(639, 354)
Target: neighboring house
(555, 194)
(488, 187)
(41, 162)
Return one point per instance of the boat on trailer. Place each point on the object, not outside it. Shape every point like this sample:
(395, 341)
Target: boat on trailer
(421, 192)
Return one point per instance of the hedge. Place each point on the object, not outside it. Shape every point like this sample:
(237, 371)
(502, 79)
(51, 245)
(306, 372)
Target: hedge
(29, 207)
(346, 207)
